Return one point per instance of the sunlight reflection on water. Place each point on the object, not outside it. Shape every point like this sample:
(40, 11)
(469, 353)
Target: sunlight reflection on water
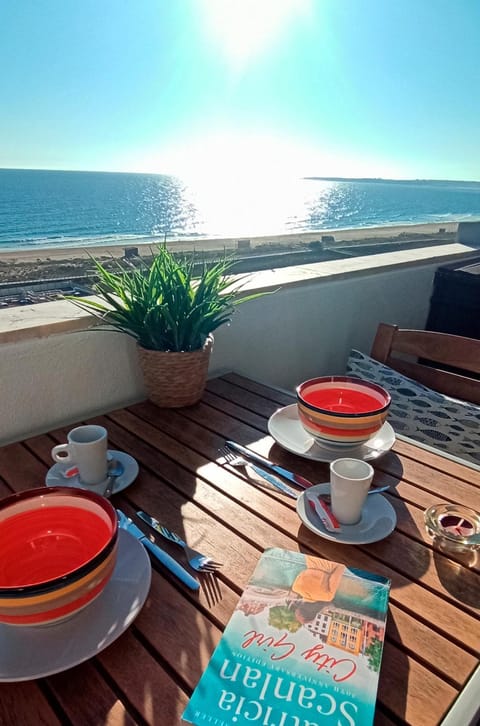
(259, 207)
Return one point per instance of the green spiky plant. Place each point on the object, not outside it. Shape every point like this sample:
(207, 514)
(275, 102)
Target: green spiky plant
(163, 304)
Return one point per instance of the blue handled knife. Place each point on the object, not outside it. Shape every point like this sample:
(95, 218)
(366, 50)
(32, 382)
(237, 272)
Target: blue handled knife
(162, 556)
(273, 480)
(253, 456)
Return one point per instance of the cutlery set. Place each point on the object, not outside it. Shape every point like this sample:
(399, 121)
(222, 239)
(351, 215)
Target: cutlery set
(235, 460)
(169, 562)
(237, 455)
(234, 455)
(197, 561)
(266, 463)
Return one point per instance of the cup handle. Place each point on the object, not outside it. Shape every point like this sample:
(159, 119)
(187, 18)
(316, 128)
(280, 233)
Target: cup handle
(61, 453)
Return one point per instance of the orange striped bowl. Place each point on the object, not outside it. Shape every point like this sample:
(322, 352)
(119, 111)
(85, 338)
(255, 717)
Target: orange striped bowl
(342, 411)
(58, 549)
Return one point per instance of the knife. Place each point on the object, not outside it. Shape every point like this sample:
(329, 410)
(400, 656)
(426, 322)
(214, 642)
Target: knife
(295, 478)
(273, 480)
(171, 564)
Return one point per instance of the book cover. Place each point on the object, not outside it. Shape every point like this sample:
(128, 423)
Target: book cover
(302, 648)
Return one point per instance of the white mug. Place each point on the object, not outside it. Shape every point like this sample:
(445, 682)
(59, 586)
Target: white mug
(87, 448)
(350, 481)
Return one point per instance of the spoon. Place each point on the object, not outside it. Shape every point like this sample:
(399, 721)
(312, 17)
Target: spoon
(377, 490)
(327, 498)
(115, 469)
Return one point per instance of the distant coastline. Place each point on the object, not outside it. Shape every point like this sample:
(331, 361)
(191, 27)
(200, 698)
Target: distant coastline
(381, 180)
(313, 177)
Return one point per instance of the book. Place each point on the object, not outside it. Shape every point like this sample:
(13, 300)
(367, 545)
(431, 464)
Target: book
(302, 648)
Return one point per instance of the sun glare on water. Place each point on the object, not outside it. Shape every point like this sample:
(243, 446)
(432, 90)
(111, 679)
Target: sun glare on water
(245, 28)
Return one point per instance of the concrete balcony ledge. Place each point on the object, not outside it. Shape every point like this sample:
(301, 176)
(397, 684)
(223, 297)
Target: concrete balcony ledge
(56, 371)
(61, 316)
(42, 320)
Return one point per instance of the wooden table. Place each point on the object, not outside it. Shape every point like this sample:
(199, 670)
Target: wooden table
(147, 675)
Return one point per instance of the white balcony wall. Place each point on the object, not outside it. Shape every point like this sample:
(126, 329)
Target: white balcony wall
(52, 374)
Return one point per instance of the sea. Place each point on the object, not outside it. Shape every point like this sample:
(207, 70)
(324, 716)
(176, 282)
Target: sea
(57, 209)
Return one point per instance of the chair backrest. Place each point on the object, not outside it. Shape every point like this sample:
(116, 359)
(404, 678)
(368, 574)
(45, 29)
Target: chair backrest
(429, 358)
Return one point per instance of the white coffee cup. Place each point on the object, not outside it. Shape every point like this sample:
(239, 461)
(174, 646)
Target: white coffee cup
(87, 448)
(350, 481)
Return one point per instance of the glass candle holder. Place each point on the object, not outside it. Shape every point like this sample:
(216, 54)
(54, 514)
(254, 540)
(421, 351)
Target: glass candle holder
(454, 525)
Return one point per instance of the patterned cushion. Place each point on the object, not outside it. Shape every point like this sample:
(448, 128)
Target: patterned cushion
(422, 414)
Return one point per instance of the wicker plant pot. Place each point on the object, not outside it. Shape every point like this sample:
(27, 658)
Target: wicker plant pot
(173, 380)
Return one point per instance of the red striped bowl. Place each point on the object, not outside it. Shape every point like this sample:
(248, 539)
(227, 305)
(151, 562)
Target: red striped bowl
(58, 549)
(342, 411)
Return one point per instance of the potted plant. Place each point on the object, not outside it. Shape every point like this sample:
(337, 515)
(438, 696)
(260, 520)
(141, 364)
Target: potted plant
(172, 313)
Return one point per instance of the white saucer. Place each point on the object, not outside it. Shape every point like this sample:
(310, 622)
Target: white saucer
(378, 519)
(30, 652)
(284, 426)
(56, 476)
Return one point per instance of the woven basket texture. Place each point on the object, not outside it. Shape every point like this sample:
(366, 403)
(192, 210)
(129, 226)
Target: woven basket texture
(174, 380)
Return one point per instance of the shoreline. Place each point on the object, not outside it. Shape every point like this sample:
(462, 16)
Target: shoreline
(27, 265)
(356, 234)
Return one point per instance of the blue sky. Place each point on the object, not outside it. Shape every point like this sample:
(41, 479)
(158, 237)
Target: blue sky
(317, 87)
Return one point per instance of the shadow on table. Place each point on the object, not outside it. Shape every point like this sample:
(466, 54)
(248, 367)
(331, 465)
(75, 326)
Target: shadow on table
(394, 676)
(160, 659)
(210, 586)
(453, 572)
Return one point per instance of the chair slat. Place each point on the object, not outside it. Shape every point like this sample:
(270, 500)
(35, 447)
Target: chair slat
(392, 344)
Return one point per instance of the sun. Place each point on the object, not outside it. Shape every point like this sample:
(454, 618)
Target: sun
(243, 29)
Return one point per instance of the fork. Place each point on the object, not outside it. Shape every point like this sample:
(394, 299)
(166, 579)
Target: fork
(234, 459)
(196, 560)
(199, 562)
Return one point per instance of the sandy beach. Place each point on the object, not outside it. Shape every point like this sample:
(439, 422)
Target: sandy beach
(52, 263)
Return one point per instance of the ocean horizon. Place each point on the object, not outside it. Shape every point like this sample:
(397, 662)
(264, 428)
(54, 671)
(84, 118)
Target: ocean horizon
(48, 209)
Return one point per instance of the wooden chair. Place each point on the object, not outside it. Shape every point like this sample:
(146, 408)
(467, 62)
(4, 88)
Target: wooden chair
(440, 361)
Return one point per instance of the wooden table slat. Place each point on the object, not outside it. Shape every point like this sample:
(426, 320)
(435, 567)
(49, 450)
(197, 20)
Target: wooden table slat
(86, 697)
(24, 703)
